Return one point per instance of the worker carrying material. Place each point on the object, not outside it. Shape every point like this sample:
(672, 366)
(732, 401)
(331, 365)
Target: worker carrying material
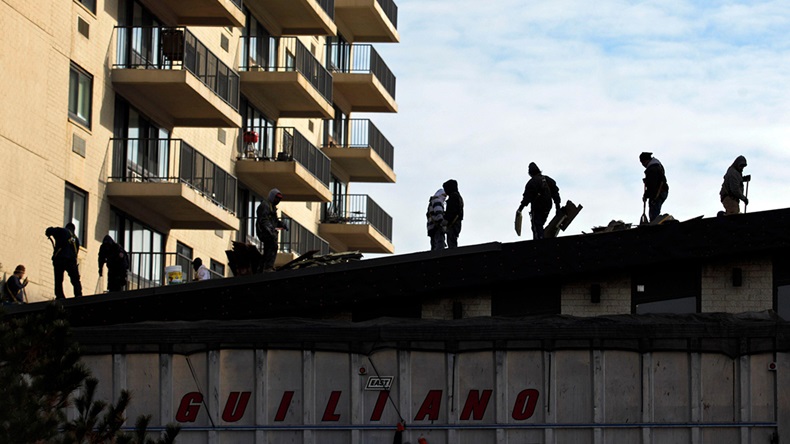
(539, 192)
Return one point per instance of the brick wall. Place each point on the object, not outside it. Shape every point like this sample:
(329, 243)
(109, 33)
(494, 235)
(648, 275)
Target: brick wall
(615, 297)
(754, 294)
(471, 306)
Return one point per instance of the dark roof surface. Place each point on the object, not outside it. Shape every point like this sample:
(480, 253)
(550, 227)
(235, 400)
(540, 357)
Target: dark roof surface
(314, 292)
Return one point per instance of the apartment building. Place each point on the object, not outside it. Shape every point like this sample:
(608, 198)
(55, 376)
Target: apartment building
(164, 123)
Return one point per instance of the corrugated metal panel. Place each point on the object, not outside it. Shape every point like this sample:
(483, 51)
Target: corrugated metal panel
(529, 396)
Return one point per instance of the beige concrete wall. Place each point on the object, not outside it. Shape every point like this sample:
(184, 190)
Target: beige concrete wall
(615, 297)
(755, 293)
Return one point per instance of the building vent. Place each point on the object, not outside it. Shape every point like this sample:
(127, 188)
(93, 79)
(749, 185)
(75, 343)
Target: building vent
(78, 145)
(224, 42)
(83, 27)
(221, 135)
(310, 126)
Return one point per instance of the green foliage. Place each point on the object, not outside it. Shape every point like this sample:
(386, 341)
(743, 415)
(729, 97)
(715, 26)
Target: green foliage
(40, 370)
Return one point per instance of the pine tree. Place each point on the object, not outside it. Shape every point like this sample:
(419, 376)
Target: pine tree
(40, 370)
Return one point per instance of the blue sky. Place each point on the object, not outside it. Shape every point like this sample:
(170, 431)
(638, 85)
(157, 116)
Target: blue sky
(581, 88)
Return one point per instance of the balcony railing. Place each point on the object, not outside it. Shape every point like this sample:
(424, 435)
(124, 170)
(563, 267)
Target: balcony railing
(174, 49)
(361, 133)
(357, 58)
(172, 160)
(286, 143)
(148, 269)
(391, 10)
(283, 54)
(297, 239)
(358, 209)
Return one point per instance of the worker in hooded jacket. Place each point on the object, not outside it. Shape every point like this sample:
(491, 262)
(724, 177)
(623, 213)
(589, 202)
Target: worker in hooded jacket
(732, 188)
(266, 227)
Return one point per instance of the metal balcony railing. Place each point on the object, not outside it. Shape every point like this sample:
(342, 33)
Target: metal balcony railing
(276, 54)
(172, 160)
(285, 144)
(297, 239)
(357, 58)
(390, 10)
(151, 47)
(147, 269)
(357, 209)
(358, 133)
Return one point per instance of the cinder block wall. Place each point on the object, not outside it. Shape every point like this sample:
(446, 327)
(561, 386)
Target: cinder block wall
(615, 297)
(471, 306)
(754, 294)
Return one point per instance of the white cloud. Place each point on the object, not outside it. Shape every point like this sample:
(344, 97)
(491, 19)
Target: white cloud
(581, 88)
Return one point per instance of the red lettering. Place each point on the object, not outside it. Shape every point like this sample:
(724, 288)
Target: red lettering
(331, 406)
(430, 406)
(235, 407)
(380, 403)
(475, 404)
(284, 404)
(525, 404)
(189, 407)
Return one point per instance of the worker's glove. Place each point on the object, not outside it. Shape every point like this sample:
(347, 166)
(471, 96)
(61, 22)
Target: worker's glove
(444, 226)
(747, 178)
(746, 200)
(557, 206)
(644, 199)
(99, 272)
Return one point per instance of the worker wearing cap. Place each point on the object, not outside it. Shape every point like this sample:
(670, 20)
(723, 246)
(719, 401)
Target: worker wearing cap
(266, 227)
(656, 186)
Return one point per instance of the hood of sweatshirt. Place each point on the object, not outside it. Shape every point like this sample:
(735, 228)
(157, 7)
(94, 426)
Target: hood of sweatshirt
(451, 186)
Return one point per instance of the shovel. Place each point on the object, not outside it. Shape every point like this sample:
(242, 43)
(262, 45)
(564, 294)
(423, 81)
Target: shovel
(643, 220)
(747, 194)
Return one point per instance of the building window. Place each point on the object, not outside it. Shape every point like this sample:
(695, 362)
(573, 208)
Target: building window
(80, 95)
(538, 298)
(781, 273)
(217, 268)
(145, 247)
(74, 211)
(89, 4)
(667, 289)
(184, 259)
(248, 207)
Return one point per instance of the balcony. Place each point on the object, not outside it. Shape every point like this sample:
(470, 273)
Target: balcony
(356, 222)
(361, 78)
(280, 75)
(296, 17)
(198, 12)
(172, 77)
(359, 149)
(293, 243)
(170, 185)
(282, 158)
(368, 20)
(147, 269)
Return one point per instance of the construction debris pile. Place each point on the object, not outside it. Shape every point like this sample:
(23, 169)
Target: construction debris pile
(245, 259)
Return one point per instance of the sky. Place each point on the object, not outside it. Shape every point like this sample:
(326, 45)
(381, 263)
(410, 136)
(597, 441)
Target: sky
(581, 88)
